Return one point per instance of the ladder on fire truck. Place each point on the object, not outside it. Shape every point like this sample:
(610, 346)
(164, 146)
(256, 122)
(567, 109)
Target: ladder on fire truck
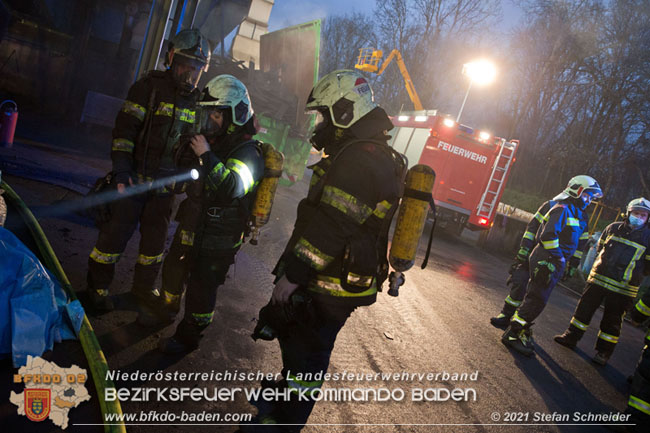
(497, 178)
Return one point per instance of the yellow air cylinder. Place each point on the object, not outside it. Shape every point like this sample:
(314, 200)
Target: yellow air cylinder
(273, 162)
(410, 222)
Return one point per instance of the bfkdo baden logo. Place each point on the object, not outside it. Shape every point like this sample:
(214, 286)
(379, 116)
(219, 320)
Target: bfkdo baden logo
(50, 391)
(37, 404)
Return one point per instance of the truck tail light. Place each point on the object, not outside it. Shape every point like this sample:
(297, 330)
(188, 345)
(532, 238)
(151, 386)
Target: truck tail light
(482, 221)
(403, 118)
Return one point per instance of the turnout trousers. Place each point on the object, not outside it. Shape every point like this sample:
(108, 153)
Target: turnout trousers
(517, 281)
(639, 403)
(152, 211)
(306, 351)
(537, 292)
(616, 305)
(199, 273)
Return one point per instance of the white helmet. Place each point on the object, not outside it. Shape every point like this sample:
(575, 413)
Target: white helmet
(345, 94)
(225, 91)
(579, 184)
(638, 204)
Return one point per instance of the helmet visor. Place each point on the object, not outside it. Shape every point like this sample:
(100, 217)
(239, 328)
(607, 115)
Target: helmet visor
(211, 119)
(320, 121)
(187, 71)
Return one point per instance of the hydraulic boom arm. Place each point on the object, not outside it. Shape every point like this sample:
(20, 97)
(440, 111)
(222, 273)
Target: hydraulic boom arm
(369, 61)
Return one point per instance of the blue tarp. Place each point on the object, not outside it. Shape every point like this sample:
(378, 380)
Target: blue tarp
(34, 309)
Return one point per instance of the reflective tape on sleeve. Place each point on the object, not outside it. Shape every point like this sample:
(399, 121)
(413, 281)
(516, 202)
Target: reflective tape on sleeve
(539, 217)
(312, 255)
(584, 236)
(346, 203)
(382, 209)
(243, 172)
(643, 308)
(529, 235)
(135, 110)
(552, 244)
(577, 254)
(217, 175)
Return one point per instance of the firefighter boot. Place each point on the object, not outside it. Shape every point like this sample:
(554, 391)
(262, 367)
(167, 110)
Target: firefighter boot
(501, 321)
(601, 358)
(568, 339)
(185, 339)
(519, 338)
(100, 301)
(151, 311)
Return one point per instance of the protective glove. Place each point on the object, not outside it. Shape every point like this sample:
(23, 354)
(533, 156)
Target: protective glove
(543, 271)
(572, 271)
(522, 255)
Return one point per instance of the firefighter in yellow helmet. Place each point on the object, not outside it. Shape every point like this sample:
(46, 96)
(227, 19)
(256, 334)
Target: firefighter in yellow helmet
(158, 109)
(335, 260)
(615, 277)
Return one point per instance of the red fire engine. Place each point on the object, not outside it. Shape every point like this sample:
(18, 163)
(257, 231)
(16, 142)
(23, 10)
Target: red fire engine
(471, 166)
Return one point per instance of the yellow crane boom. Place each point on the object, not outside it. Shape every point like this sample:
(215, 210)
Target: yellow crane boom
(369, 62)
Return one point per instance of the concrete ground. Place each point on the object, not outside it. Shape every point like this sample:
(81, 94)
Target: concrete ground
(438, 324)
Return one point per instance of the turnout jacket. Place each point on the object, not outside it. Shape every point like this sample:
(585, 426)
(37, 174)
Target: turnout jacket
(219, 204)
(528, 239)
(622, 259)
(153, 117)
(338, 247)
(563, 232)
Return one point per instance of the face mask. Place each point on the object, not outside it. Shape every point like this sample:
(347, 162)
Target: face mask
(635, 222)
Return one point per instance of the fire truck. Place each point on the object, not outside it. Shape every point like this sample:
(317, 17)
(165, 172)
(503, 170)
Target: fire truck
(472, 166)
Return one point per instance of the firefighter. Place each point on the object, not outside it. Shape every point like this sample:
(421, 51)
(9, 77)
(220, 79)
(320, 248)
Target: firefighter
(335, 260)
(615, 277)
(639, 402)
(157, 110)
(214, 216)
(556, 241)
(519, 272)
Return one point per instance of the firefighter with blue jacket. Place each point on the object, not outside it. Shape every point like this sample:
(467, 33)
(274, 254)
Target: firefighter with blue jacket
(615, 276)
(336, 258)
(519, 272)
(158, 109)
(214, 217)
(639, 402)
(557, 240)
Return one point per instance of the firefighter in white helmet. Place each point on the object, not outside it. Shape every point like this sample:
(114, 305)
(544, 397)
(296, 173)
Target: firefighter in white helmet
(336, 258)
(556, 242)
(214, 218)
(620, 265)
(158, 109)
